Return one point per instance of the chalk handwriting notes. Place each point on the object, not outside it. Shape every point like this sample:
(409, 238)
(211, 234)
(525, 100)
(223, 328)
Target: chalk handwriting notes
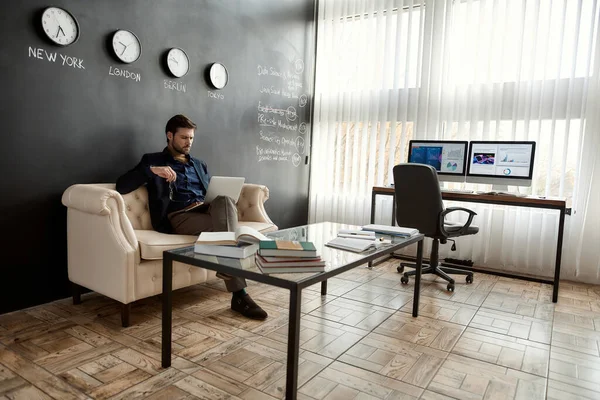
(290, 114)
(175, 86)
(303, 100)
(215, 95)
(302, 128)
(54, 57)
(296, 159)
(279, 124)
(123, 73)
(300, 144)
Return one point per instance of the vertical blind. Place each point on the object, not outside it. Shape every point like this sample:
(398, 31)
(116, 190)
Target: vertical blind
(389, 71)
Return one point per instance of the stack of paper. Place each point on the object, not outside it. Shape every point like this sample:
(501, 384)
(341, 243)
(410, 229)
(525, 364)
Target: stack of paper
(391, 230)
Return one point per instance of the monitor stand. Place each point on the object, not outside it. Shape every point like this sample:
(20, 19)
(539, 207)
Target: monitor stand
(500, 188)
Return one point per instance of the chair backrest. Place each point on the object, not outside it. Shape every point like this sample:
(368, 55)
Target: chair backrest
(418, 198)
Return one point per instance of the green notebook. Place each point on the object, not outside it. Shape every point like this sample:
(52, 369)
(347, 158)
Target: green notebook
(287, 248)
(287, 245)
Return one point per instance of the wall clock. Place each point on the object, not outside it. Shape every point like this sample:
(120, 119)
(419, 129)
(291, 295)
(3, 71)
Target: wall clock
(60, 26)
(126, 46)
(178, 62)
(218, 76)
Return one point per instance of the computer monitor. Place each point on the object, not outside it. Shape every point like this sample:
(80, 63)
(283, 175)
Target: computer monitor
(501, 163)
(448, 157)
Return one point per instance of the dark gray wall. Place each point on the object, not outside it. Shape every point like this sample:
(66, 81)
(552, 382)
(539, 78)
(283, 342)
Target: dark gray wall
(64, 125)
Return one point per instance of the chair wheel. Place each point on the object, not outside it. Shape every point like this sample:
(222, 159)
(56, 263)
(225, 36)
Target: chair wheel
(404, 279)
(400, 269)
(469, 279)
(450, 287)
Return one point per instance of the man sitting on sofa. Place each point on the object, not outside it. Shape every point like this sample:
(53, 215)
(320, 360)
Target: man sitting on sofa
(176, 184)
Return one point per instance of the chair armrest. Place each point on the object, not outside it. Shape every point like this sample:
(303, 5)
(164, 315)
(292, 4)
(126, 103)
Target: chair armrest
(250, 205)
(101, 199)
(449, 210)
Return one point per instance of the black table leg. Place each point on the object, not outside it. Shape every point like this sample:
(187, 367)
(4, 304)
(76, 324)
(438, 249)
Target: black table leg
(561, 228)
(167, 309)
(324, 288)
(291, 379)
(418, 278)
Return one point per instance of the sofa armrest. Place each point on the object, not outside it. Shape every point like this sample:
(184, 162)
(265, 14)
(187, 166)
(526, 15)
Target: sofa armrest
(250, 205)
(101, 244)
(101, 199)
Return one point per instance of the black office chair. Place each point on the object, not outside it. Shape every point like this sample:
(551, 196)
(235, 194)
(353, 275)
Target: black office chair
(419, 205)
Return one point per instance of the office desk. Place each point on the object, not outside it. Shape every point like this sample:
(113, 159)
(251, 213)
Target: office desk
(531, 201)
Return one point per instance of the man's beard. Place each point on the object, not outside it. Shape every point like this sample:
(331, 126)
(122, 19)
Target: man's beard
(181, 150)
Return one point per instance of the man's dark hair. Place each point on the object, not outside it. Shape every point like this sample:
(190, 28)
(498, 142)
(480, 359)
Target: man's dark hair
(179, 121)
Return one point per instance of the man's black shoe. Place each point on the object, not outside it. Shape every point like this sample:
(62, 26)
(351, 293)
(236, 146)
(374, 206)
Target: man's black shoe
(247, 307)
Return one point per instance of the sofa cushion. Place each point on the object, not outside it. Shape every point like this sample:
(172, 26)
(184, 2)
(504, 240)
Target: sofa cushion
(259, 226)
(152, 243)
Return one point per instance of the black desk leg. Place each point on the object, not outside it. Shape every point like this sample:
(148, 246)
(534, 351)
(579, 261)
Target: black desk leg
(418, 278)
(373, 197)
(291, 379)
(561, 228)
(393, 209)
(167, 309)
(324, 288)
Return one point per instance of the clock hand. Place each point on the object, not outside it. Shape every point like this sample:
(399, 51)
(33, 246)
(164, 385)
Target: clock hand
(57, 32)
(174, 60)
(60, 29)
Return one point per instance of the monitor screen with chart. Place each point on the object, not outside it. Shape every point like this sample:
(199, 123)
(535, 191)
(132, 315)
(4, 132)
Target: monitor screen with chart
(448, 157)
(501, 163)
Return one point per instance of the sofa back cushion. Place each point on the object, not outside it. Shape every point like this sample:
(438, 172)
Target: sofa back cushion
(137, 210)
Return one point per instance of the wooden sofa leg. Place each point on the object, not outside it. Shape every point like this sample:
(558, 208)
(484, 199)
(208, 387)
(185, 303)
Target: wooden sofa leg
(76, 290)
(125, 311)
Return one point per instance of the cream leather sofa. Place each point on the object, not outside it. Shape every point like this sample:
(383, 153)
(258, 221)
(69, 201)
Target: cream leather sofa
(113, 250)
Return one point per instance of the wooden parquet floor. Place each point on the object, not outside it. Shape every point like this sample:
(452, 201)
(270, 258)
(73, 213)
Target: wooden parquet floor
(495, 339)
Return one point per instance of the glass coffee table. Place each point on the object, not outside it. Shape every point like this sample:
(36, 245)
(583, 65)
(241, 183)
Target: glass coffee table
(338, 262)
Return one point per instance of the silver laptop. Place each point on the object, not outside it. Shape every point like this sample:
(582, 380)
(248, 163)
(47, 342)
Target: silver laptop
(224, 186)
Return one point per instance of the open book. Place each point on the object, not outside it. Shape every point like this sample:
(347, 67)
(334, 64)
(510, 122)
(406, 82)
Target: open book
(243, 234)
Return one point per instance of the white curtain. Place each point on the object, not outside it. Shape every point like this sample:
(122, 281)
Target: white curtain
(393, 70)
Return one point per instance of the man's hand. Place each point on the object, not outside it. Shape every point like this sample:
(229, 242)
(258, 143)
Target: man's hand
(165, 172)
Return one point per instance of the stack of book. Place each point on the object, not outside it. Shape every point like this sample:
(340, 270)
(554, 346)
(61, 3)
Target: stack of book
(282, 256)
(239, 244)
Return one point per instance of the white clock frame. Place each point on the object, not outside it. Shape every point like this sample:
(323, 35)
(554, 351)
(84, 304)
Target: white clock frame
(175, 68)
(60, 20)
(218, 75)
(123, 51)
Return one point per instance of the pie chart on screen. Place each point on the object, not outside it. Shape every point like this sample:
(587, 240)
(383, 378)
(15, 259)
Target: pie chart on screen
(451, 166)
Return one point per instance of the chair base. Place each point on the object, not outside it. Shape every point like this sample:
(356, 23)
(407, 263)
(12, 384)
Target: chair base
(125, 308)
(442, 272)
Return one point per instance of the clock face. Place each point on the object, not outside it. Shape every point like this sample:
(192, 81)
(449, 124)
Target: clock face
(178, 62)
(218, 75)
(127, 46)
(60, 26)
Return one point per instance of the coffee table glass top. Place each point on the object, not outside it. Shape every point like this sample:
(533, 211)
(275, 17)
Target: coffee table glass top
(319, 234)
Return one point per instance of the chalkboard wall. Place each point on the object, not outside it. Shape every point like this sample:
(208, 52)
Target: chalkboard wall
(69, 117)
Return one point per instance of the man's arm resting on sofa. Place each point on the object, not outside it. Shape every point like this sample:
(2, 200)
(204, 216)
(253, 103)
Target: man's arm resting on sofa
(135, 177)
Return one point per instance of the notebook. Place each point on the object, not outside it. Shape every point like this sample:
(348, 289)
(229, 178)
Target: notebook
(351, 244)
(391, 230)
